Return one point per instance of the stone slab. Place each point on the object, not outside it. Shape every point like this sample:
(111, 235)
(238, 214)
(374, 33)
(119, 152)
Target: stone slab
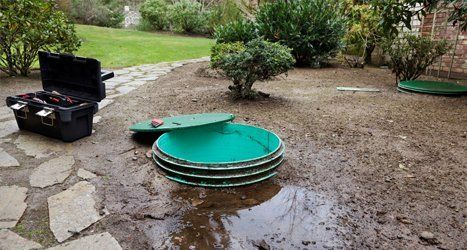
(84, 174)
(11, 241)
(52, 172)
(103, 241)
(125, 89)
(12, 205)
(38, 146)
(8, 128)
(6, 160)
(72, 210)
(96, 119)
(105, 102)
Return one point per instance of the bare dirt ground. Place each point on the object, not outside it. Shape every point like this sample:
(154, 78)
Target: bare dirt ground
(363, 170)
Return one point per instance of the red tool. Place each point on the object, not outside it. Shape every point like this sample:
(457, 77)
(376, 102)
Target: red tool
(157, 122)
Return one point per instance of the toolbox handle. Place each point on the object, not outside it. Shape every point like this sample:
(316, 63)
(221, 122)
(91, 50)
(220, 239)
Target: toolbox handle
(105, 75)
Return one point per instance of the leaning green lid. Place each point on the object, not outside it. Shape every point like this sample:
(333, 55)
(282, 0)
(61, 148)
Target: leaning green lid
(182, 121)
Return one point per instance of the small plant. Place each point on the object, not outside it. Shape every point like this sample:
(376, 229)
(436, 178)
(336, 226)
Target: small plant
(313, 29)
(154, 12)
(237, 31)
(29, 26)
(411, 55)
(258, 61)
(187, 16)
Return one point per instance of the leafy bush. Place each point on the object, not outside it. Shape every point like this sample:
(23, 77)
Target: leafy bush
(29, 26)
(223, 13)
(260, 60)
(220, 50)
(312, 28)
(237, 31)
(107, 13)
(188, 16)
(411, 55)
(154, 12)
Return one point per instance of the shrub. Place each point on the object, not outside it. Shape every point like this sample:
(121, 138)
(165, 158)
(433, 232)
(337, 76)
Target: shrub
(237, 31)
(188, 16)
(221, 50)
(29, 26)
(411, 55)
(107, 13)
(154, 12)
(260, 60)
(222, 13)
(313, 29)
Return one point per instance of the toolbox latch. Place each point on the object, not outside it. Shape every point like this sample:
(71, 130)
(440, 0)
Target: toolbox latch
(47, 116)
(21, 110)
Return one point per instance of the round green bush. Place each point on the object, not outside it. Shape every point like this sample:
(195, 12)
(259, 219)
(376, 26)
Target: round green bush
(154, 12)
(313, 29)
(187, 16)
(259, 60)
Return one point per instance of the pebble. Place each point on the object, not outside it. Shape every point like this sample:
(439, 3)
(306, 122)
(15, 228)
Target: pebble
(429, 237)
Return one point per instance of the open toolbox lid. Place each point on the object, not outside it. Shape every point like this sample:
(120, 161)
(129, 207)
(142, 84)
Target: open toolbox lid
(73, 76)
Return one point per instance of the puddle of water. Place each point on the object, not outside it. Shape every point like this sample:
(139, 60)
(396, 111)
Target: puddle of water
(280, 217)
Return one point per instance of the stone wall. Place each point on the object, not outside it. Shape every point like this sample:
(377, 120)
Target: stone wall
(132, 17)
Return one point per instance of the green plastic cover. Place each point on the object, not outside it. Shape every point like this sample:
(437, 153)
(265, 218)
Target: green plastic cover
(182, 122)
(223, 143)
(431, 87)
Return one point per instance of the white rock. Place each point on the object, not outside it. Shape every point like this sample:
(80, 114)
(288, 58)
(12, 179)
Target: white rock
(12, 205)
(8, 128)
(103, 241)
(10, 240)
(104, 103)
(96, 119)
(135, 83)
(52, 172)
(125, 89)
(84, 174)
(37, 145)
(72, 210)
(6, 160)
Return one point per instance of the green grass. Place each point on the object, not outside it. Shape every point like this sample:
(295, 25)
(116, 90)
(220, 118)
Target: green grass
(120, 48)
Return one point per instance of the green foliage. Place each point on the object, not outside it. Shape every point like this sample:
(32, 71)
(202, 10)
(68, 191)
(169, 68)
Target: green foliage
(313, 29)
(259, 61)
(411, 55)
(395, 12)
(154, 13)
(221, 50)
(364, 29)
(106, 13)
(29, 26)
(237, 31)
(188, 16)
(222, 13)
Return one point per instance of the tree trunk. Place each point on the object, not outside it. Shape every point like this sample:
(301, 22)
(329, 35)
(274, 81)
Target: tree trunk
(368, 51)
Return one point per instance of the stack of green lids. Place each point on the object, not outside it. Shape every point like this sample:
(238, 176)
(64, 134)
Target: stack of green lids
(431, 87)
(216, 152)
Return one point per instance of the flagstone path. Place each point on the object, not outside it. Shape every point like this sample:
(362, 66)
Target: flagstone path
(73, 209)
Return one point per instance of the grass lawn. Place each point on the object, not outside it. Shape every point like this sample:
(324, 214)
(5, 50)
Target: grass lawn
(120, 47)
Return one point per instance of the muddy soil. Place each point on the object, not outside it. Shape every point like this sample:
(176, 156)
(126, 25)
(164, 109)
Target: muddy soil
(363, 170)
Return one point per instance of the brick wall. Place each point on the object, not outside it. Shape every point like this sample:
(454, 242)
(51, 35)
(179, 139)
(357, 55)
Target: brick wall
(435, 25)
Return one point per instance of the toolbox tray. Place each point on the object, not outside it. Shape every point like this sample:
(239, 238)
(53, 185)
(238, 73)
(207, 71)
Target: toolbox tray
(75, 78)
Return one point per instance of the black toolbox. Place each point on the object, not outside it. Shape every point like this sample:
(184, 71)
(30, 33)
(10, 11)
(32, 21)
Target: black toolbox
(65, 109)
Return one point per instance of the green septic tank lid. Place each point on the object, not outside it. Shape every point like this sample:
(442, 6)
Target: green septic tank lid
(183, 121)
(431, 87)
(220, 144)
